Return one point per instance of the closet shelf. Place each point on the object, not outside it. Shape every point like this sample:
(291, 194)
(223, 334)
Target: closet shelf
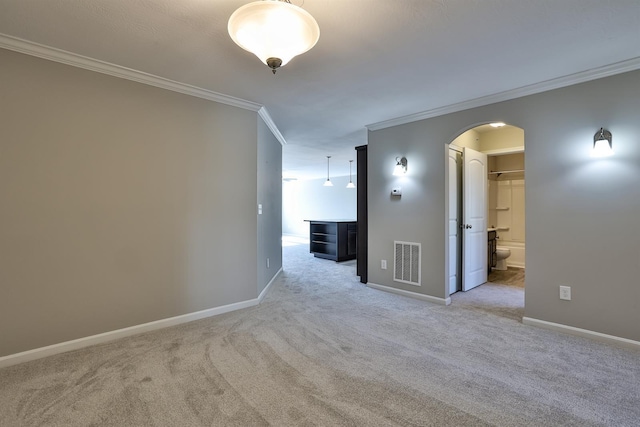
(501, 172)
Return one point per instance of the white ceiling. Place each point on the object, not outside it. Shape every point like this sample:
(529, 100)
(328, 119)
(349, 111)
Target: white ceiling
(376, 60)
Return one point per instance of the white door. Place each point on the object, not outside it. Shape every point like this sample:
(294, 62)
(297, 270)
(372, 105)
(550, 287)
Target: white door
(454, 229)
(475, 219)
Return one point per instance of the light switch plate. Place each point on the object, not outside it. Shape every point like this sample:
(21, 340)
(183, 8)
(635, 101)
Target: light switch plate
(565, 293)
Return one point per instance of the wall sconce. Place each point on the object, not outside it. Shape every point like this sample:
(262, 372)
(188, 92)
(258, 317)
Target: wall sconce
(350, 184)
(401, 166)
(602, 146)
(328, 182)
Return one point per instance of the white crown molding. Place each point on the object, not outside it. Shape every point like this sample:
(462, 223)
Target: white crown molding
(57, 55)
(271, 125)
(581, 77)
(69, 58)
(558, 327)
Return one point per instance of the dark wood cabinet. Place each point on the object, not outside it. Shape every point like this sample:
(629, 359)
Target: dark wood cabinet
(492, 249)
(362, 215)
(333, 239)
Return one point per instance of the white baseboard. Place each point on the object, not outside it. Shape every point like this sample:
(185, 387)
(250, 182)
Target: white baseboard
(429, 298)
(515, 265)
(38, 353)
(266, 288)
(609, 339)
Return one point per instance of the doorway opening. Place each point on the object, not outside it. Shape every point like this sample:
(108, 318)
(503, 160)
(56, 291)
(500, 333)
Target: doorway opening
(327, 220)
(486, 209)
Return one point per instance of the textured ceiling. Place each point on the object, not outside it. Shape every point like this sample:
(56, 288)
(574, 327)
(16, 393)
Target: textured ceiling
(376, 60)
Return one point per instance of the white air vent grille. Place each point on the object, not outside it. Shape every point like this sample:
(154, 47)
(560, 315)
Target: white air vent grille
(406, 268)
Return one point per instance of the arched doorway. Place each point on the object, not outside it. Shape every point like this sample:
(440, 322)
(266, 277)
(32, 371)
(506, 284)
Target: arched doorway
(491, 205)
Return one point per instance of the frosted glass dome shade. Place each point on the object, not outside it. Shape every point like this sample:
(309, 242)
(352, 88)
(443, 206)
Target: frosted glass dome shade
(275, 31)
(602, 149)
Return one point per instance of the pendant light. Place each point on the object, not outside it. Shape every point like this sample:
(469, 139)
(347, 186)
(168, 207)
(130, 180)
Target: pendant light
(350, 184)
(328, 182)
(273, 30)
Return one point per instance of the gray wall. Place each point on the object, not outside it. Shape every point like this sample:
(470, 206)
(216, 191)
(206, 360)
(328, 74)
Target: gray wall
(115, 209)
(309, 199)
(581, 212)
(270, 197)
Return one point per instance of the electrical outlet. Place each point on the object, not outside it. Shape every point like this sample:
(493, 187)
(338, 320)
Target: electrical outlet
(383, 264)
(565, 293)
(267, 262)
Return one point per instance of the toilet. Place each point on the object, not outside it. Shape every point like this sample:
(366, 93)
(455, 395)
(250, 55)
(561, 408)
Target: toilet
(501, 258)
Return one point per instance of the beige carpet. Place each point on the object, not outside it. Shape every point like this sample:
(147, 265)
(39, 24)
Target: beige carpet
(324, 350)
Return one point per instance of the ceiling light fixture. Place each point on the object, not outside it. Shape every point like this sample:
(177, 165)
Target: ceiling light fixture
(350, 184)
(273, 30)
(602, 144)
(328, 182)
(497, 124)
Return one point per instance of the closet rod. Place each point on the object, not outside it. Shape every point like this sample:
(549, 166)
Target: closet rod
(501, 172)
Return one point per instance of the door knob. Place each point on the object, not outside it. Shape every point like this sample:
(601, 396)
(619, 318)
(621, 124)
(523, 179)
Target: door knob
(468, 226)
